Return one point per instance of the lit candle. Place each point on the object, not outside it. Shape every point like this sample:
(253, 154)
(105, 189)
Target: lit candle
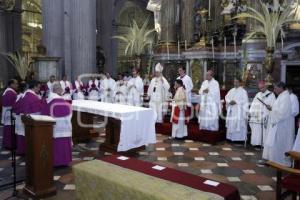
(234, 43)
(209, 9)
(178, 49)
(225, 47)
(168, 52)
(213, 49)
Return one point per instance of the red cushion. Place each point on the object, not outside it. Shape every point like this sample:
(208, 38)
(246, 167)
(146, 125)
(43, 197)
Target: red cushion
(291, 182)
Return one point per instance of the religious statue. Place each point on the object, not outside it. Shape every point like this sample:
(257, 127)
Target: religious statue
(199, 5)
(155, 7)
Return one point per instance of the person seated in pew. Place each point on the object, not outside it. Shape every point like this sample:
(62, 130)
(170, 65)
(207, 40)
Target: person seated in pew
(61, 111)
(180, 113)
(297, 141)
(29, 104)
(67, 88)
(237, 108)
(9, 97)
(210, 98)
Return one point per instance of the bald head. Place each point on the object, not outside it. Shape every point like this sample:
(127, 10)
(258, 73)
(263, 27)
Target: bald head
(209, 75)
(262, 86)
(57, 89)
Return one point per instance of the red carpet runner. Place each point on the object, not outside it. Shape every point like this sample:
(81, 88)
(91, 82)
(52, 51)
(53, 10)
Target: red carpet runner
(228, 192)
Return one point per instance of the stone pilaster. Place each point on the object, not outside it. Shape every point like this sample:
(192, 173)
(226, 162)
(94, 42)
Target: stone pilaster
(83, 39)
(187, 20)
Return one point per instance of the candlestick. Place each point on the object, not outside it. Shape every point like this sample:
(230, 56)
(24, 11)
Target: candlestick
(178, 49)
(185, 45)
(281, 42)
(234, 41)
(209, 9)
(168, 52)
(225, 48)
(213, 49)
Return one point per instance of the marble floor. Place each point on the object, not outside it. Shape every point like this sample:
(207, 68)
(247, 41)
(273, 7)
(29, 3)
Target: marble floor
(226, 162)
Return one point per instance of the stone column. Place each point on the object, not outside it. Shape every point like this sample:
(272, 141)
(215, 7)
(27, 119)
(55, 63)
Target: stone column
(83, 29)
(53, 29)
(3, 48)
(187, 20)
(168, 17)
(67, 39)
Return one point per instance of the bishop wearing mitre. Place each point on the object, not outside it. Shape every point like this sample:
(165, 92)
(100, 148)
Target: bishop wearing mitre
(280, 131)
(158, 93)
(209, 103)
(259, 114)
(237, 108)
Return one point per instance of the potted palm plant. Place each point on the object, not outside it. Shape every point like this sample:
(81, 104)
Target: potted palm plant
(137, 40)
(20, 63)
(270, 25)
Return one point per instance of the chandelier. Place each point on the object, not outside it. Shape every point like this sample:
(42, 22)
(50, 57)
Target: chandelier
(7, 5)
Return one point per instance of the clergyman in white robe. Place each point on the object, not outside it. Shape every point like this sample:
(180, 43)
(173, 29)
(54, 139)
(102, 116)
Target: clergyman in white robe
(236, 119)
(297, 141)
(158, 93)
(295, 106)
(121, 91)
(280, 135)
(259, 115)
(108, 88)
(135, 90)
(209, 104)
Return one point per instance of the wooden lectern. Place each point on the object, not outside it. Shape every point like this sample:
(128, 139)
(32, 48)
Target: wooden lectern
(39, 156)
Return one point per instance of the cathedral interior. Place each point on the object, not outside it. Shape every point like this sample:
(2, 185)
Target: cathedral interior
(251, 39)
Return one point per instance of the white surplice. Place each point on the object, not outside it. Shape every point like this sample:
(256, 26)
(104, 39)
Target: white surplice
(64, 85)
(158, 93)
(236, 119)
(77, 93)
(297, 142)
(280, 135)
(259, 115)
(95, 93)
(121, 92)
(188, 85)
(209, 106)
(135, 91)
(108, 87)
(179, 130)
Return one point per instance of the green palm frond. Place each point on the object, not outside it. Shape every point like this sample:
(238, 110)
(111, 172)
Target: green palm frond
(137, 38)
(19, 62)
(270, 22)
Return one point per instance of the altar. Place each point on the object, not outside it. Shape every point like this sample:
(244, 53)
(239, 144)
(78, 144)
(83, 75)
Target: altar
(127, 127)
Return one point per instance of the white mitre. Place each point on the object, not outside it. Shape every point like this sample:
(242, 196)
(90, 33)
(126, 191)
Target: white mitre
(159, 67)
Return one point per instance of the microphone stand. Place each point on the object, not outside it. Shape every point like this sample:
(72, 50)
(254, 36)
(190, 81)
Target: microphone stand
(13, 157)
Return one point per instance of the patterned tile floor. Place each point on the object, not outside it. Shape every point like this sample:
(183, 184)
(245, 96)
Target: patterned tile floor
(225, 162)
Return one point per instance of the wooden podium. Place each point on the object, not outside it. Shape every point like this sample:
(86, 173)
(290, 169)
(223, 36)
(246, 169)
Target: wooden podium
(39, 156)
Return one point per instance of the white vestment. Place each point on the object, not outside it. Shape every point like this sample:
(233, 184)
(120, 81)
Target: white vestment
(179, 130)
(236, 119)
(280, 135)
(108, 88)
(77, 93)
(64, 85)
(158, 93)
(135, 91)
(297, 142)
(209, 106)
(295, 107)
(50, 86)
(94, 94)
(259, 115)
(188, 85)
(121, 92)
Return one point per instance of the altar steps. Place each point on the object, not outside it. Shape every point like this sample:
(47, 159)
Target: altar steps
(211, 137)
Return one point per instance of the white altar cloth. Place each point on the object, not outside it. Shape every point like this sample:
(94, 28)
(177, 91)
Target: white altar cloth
(137, 123)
